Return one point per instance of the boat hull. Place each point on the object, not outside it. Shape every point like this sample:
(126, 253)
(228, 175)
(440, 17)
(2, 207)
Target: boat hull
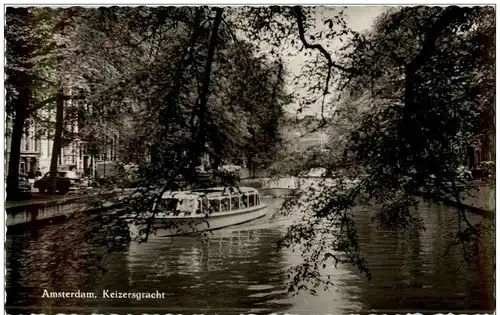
(165, 227)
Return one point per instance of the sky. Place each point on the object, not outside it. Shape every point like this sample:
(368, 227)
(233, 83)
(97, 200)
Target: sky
(358, 18)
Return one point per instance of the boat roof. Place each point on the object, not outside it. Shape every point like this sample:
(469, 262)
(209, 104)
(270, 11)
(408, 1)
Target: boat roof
(209, 192)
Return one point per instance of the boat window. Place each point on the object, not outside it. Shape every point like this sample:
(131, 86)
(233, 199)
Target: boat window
(225, 204)
(235, 203)
(257, 201)
(251, 200)
(199, 208)
(214, 206)
(244, 201)
(167, 205)
(202, 206)
(182, 207)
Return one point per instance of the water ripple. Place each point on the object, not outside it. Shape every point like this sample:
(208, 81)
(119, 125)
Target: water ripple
(241, 268)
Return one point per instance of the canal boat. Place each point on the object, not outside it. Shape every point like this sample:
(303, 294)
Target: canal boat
(199, 210)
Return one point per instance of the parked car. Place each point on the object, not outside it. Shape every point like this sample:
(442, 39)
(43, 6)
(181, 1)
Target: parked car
(231, 168)
(63, 183)
(74, 178)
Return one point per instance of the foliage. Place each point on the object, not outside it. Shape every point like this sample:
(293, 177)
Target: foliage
(414, 84)
(37, 68)
(290, 32)
(259, 96)
(178, 93)
(45, 60)
(156, 95)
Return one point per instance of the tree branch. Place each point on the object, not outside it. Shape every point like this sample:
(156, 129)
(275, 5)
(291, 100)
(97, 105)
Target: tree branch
(450, 15)
(206, 79)
(300, 23)
(38, 106)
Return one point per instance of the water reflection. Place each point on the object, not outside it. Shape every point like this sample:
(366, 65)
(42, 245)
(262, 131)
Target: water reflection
(414, 271)
(225, 268)
(240, 269)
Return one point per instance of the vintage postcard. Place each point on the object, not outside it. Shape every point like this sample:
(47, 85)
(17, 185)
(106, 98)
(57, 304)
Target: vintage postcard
(249, 159)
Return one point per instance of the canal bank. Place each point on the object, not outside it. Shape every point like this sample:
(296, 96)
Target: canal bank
(480, 200)
(42, 208)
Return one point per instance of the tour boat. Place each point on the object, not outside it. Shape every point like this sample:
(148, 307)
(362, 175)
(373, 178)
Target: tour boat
(199, 210)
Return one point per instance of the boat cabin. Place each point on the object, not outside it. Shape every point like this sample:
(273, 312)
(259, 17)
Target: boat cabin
(208, 201)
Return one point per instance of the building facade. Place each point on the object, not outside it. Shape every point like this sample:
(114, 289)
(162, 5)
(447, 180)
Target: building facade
(36, 152)
(30, 152)
(29, 160)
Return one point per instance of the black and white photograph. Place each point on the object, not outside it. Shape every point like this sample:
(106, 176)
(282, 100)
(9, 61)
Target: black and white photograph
(249, 159)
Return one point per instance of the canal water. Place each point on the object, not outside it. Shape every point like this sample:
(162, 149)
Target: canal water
(241, 270)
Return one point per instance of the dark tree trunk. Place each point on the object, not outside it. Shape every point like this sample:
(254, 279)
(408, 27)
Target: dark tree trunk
(410, 128)
(407, 126)
(15, 152)
(154, 154)
(56, 148)
(21, 81)
(200, 138)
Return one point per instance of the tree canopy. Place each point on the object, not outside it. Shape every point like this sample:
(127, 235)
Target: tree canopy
(419, 88)
(164, 95)
(38, 54)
